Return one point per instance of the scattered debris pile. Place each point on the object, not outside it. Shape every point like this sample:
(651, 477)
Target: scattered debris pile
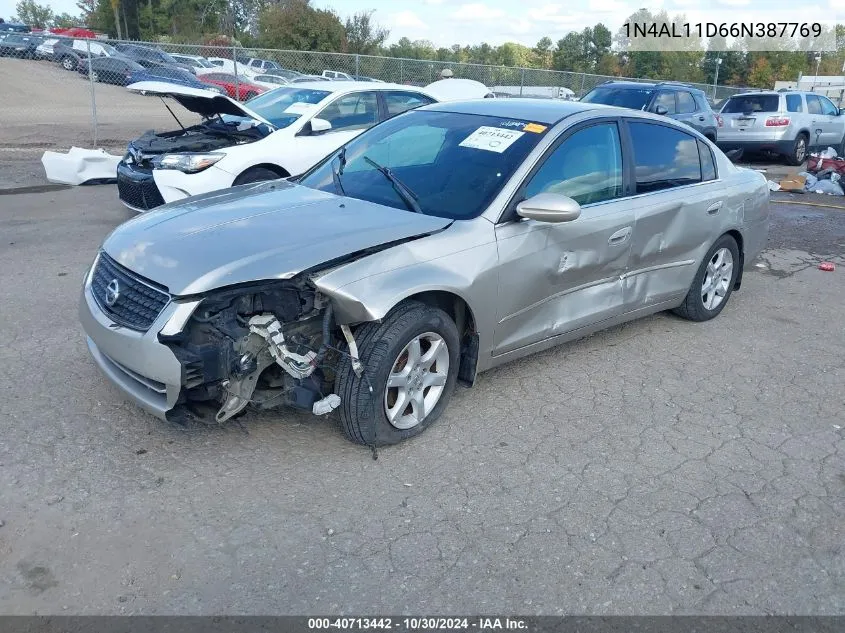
(824, 174)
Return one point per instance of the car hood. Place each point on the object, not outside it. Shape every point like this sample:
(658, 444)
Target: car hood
(206, 103)
(271, 230)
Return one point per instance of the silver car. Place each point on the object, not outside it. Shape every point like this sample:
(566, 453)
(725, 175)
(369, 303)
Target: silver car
(789, 123)
(436, 245)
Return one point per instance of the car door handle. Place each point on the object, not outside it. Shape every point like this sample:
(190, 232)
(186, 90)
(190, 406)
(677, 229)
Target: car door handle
(713, 209)
(701, 118)
(620, 236)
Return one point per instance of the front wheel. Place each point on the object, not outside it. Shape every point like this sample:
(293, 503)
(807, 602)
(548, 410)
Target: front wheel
(68, 63)
(256, 174)
(410, 361)
(94, 76)
(713, 283)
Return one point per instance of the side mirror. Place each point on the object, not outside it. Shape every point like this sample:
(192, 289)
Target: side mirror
(318, 126)
(661, 110)
(549, 207)
(840, 112)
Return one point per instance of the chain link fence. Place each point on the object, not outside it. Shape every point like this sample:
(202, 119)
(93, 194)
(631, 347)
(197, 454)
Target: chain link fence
(62, 92)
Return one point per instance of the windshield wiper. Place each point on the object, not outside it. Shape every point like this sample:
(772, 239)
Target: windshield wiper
(408, 196)
(337, 171)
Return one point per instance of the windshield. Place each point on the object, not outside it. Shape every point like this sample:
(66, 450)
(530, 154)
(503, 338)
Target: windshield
(752, 103)
(109, 50)
(454, 164)
(283, 106)
(633, 98)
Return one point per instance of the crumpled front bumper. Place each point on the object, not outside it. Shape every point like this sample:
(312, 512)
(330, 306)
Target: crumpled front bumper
(145, 370)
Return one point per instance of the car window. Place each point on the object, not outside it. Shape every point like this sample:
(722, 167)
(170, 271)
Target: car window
(686, 104)
(399, 102)
(587, 167)
(633, 98)
(255, 63)
(814, 106)
(752, 103)
(708, 165)
(665, 99)
(353, 111)
(282, 106)
(663, 157)
(455, 166)
(827, 107)
(217, 62)
(793, 103)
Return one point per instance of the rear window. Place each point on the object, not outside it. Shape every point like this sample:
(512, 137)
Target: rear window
(633, 98)
(793, 103)
(752, 103)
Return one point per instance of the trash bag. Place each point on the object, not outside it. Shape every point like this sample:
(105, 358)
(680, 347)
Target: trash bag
(810, 179)
(828, 187)
(828, 153)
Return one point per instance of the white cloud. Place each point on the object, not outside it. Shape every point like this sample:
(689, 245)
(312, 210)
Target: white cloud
(610, 6)
(433, 1)
(734, 3)
(406, 20)
(550, 14)
(476, 11)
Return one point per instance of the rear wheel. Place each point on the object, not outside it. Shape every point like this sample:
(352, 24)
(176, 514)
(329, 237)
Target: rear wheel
(713, 283)
(68, 62)
(256, 174)
(799, 150)
(94, 76)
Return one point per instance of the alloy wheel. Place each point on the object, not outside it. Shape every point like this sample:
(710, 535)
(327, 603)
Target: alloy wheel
(717, 278)
(416, 381)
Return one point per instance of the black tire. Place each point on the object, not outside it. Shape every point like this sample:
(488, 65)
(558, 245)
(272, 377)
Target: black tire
(95, 77)
(797, 157)
(256, 174)
(693, 307)
(68, 63)
(362, 415)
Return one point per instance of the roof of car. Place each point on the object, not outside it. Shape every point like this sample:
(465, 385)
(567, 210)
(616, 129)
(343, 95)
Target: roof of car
(342, 86)
(548, 111)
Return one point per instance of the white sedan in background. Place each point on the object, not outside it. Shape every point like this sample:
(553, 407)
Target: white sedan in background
(278, 134)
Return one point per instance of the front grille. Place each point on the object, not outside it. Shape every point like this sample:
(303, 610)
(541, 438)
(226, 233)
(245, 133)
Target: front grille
(140, 194)
(138, 303)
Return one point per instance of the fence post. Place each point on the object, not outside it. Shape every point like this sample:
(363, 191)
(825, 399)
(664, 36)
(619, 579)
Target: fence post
(93, 94)
(237, 82)
(583, 77)
(357, 65)
(521, 81)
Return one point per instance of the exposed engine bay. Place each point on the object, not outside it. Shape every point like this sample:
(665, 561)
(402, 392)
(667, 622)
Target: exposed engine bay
(204, 137)
(268, 346)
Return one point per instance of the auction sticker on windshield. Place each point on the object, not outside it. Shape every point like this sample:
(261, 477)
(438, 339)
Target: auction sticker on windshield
(491, 139)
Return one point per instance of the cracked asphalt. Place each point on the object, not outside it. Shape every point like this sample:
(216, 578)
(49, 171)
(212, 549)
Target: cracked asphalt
(659, 467)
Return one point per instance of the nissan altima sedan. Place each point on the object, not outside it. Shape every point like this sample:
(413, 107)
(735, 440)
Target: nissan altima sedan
(439, 244)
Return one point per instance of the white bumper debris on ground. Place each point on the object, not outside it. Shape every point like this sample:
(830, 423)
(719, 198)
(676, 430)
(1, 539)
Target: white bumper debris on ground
(80, 166)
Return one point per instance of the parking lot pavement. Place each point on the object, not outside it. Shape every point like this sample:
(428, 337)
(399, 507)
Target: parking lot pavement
(660, 467)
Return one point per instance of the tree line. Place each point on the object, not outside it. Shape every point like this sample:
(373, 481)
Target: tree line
(297, 25)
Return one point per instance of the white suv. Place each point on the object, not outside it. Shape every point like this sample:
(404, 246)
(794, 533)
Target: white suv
(789, 123)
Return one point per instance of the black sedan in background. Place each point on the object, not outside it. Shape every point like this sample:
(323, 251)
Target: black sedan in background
(20, 45)
(111, 70)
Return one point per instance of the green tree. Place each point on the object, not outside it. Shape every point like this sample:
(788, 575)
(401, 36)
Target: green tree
(543, 52)
(363, 35)
(569, 53)
(296, 25)
(65, 20)
(34, 14)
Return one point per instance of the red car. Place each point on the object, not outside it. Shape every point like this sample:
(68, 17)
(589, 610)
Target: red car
(238, 88)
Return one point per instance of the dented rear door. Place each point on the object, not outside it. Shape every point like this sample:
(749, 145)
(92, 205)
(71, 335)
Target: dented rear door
(679, 208)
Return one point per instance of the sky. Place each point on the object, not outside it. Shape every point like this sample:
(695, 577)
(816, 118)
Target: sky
(447, 22)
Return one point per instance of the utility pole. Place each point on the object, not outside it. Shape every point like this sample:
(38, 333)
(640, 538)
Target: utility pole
(716, 78)
(816, 76)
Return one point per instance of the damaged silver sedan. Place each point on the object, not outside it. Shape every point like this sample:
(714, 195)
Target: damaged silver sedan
(434, 246)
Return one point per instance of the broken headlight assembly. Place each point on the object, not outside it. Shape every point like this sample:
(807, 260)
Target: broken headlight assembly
(265, 345)
(188, 163)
